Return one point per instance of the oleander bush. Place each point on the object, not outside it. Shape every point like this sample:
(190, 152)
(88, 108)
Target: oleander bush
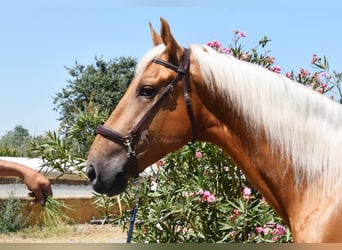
(197, 194)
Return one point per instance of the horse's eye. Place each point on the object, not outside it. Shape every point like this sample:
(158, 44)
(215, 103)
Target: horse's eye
(147, 91)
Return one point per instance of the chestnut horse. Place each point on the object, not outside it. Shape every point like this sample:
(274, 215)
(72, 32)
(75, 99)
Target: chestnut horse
(286, 138)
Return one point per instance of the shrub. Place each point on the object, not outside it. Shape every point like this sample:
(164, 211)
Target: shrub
(11, 218)
(198, 195)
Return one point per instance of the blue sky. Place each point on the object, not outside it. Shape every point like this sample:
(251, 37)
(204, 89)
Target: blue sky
(39, 38)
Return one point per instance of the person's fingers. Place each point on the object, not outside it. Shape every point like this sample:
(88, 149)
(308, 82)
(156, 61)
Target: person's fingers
(33, 201)
(40, 197)
(47, 190)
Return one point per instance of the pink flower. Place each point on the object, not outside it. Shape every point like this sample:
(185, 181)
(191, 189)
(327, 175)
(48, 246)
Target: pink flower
(289, 74)
(263, 201)
(246, 193)
(280, 230)
(321, 88)
(270, 59)
(275, 238)
(276, 69)
(259, 230)
(246, 56)
(211, 198)
(226, 50)
(198, 155)
(276, 231)
(304, 72)
(309, 86)
(214, 44)
(314, 59)
(317, 76)
(160, 163)
(206, 194)
(209, 44)
(236, 212)
(200, 192)
(239, 33)
(265, 230)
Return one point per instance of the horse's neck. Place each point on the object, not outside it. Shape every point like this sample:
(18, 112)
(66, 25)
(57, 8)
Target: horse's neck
(249, 151)
(263, 135)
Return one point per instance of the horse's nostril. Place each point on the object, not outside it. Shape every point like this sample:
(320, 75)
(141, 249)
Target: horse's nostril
(91, 173)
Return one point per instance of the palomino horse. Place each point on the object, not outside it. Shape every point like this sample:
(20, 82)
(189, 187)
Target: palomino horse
(285, 138)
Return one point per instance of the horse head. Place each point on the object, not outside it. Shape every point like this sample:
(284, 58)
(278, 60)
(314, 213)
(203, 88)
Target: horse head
(151, 120)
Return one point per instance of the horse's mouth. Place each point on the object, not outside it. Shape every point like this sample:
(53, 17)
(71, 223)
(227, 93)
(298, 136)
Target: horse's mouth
(109, 174)
(108, 183)
(112, 187)
(119, 185)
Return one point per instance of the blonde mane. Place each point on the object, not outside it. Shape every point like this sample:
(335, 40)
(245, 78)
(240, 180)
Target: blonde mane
(305, 125)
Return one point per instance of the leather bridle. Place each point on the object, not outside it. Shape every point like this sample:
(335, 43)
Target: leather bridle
(129, 141)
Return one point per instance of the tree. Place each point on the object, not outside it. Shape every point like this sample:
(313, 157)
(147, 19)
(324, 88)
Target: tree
(92, 93)
(102, 84)
(15, 142)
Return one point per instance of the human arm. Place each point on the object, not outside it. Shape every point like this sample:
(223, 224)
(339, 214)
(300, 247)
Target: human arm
(35, 182)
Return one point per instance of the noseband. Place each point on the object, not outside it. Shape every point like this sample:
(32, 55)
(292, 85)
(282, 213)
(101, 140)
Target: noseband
(130, 141)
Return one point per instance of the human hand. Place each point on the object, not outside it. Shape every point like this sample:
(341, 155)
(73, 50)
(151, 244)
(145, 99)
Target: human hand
(39, 186)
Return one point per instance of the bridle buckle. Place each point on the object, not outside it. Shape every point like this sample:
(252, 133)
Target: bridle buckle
(128, 142)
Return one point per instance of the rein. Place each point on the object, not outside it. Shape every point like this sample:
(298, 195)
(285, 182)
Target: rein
(129, 141)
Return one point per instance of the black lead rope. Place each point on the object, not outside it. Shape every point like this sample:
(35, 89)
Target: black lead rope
(134, 211)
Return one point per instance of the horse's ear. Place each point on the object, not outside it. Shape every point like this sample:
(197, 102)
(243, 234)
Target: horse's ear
(156, 38)
(172, 47)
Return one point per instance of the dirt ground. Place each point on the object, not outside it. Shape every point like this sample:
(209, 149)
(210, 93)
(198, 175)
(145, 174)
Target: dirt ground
(83, 233)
